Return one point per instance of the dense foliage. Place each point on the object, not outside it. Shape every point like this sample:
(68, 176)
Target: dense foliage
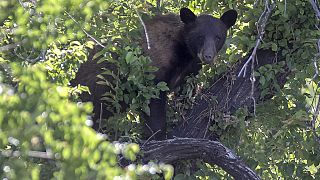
(45, 133)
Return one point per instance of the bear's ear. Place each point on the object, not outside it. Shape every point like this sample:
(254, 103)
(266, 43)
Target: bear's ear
(229, 18)
(187, 16)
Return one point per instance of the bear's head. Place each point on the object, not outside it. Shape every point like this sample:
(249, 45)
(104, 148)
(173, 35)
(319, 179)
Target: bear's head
(205, 35)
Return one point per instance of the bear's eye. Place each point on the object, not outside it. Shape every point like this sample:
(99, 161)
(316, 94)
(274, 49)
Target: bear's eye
(218, 38)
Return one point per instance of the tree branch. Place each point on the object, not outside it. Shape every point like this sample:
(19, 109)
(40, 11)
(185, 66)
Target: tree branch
(32, 154)
(12, 46)
(212, 152)
(144, 28)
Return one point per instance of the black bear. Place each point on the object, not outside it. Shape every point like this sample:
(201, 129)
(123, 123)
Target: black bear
(178, 46)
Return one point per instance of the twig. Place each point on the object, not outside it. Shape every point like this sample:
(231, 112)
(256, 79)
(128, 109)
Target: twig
(33, 154)
(261, 30)
(285, 7)
(89, 35)
(144, 27)
(209, 122)
(100, 117)
(253, 80)
(253, 54)
(12, 46)
(252, 58)
(150, 136)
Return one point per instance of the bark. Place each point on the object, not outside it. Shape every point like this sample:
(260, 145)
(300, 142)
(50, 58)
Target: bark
(212, 152)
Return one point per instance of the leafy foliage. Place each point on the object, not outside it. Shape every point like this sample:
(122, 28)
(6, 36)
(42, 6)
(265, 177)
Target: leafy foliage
(34, 118)
(44, 42)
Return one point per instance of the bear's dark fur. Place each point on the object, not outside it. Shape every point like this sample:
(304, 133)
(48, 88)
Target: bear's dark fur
(87, 76)
(178, 45)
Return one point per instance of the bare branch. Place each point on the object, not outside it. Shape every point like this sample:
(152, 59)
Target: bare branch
(153, 134)
(253, 80)
(251, 58)
(89, 35)
(12, 46)
(33, 154)
(261, 30)
(315, 6)
(144, 27)
(285, 7)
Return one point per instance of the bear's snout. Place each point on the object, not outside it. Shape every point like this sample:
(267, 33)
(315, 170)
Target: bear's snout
(208, 57)
(208, 52)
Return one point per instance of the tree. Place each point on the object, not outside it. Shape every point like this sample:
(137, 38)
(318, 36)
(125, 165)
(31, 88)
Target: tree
(264, 107)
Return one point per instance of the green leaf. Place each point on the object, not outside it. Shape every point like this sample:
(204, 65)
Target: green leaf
(262, 80)
(129, 57)
(163, 86)
(131, 150)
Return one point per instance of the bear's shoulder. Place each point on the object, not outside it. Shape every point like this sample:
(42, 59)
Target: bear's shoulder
(170, 19)
(164, 33)
(163, 29)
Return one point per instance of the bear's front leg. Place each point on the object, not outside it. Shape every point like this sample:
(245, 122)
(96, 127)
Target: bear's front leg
(156, 122)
